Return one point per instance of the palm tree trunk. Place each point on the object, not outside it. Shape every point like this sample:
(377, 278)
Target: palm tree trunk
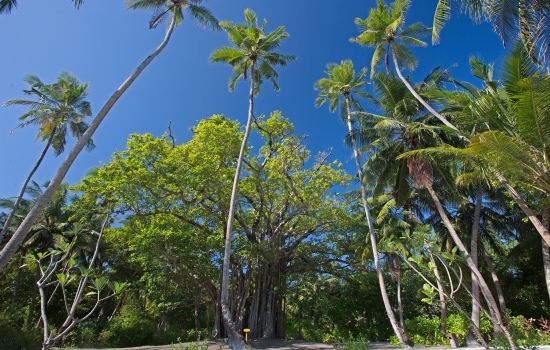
(491, 303)
(543, 230)
(404, 341)
(418, 97)
(496, 281)
(7, 223)
(441, 291)
(11, 247)
(545, 246)
(474, 254)
(399, 301)
(236, 341)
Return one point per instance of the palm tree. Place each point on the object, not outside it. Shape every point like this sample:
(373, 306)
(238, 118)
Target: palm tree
(383, 30)
(339, 88)
(56, 109)
(174, 8)
(250, 56)
(402, 130)
(6, 6)
(528, 20)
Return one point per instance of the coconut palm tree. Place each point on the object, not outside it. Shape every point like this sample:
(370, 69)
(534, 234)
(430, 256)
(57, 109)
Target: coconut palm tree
(528, 20)
(175, 9)
(251, 55)
(383, 30)
(56, 108)
(339, 90)
(403, 129)
(6, 6)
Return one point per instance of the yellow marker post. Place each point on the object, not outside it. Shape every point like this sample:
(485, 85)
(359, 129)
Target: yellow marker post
(246, 330)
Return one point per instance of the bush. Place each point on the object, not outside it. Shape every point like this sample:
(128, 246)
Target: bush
(13, 337)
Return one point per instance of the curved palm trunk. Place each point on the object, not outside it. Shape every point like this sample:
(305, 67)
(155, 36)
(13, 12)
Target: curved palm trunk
(418, 97)
(235, 339)
(404, 341)
(24, 187)
(491, 303)
(11, 247)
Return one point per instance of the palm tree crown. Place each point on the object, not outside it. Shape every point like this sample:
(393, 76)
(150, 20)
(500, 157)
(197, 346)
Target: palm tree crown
(56, 109)
(341, 81)
(383, 30)
(163, 8)
(252, 50)
(6, 6)
(528, 20)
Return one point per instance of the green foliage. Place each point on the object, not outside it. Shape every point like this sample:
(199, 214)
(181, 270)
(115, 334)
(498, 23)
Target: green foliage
(12, 336)
(135, 330)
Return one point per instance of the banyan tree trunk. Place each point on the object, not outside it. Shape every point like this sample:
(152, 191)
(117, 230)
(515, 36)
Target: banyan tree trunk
(265, 318)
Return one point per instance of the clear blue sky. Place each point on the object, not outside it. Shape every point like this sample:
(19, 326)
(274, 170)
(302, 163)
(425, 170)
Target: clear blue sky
(102, 43)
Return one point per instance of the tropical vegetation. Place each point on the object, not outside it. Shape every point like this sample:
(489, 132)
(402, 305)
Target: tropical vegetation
(440, 230)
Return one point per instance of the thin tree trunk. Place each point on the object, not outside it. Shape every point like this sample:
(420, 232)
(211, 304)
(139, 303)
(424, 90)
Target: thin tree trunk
(442, 302)
(496, 281)
(236, 340)
(7, 223)
(32, 307)
(197, 315)
(15, 241)
(543, 230)
(545, 246)
(69, 321)
(470, 336)
(399, 301)
(418, 97)
(491, 303)
(399, 332)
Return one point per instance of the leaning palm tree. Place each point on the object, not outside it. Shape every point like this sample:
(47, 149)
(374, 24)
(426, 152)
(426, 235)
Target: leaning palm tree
(383, 30)
(6, 6)
(528, 20)
(340, 86)
(173, 8)
(252, 56)
(56, 108)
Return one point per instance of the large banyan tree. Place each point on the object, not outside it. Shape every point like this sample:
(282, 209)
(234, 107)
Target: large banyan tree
(174, 201)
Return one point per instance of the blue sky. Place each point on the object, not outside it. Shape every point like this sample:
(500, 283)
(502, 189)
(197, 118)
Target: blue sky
(102, 43)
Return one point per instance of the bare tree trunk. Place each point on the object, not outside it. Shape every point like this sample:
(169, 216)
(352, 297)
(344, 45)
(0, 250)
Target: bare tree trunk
(496, 281)
(441, 291)
(491, 303)
(404, 341)
(399, 301)
(197, 314)
(236, 340)
(32, 307)
(545, 246)
(19, 235)
(470, 338)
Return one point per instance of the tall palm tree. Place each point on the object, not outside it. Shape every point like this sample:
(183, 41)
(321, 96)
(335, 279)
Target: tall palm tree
(56, 108)
(528, 20)
(251, 55)
(173, 8)
(338, 89)
(383, 30)
(404, 131)
(6, 6)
